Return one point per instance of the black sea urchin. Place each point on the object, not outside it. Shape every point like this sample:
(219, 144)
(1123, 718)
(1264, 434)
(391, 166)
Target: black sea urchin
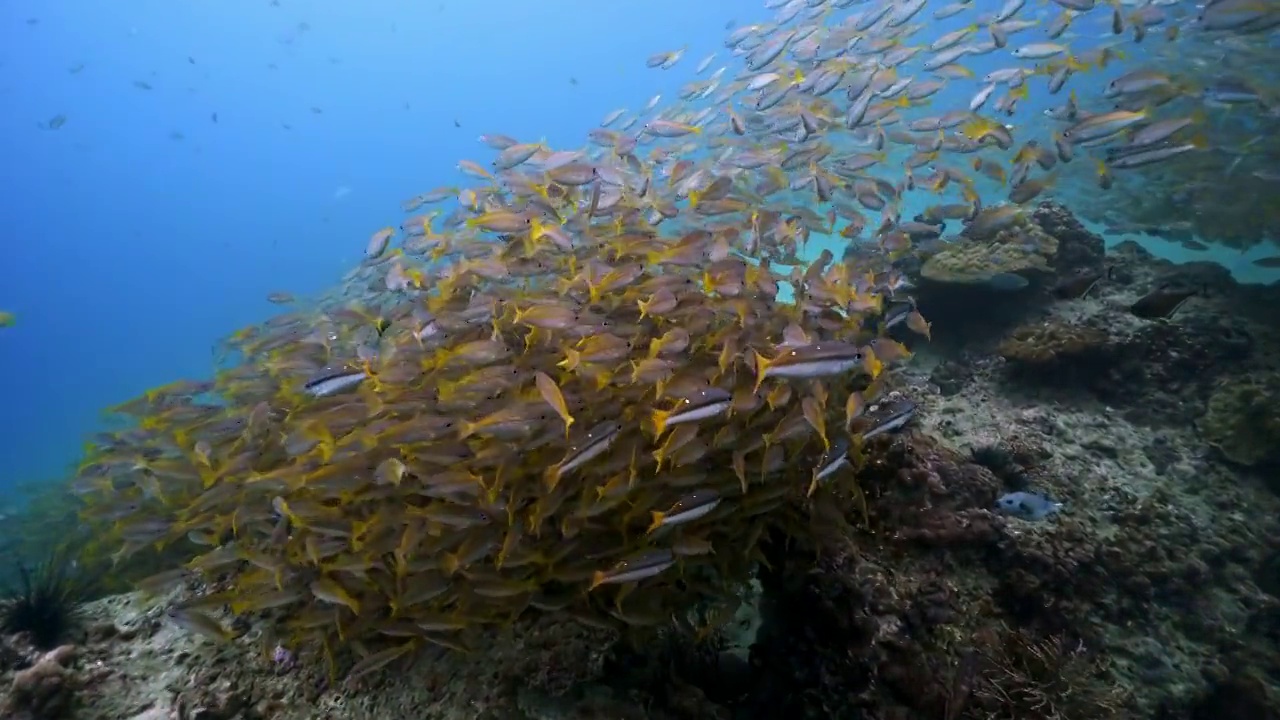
(43, 603)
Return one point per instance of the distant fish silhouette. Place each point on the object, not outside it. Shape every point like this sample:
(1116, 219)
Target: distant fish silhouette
(1007, 282)
(1081, 284)
(1162, 303)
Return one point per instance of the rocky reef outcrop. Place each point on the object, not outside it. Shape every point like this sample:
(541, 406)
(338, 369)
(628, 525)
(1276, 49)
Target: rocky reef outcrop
(980, 284)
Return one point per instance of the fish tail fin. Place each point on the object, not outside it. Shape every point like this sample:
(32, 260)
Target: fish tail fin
(572, 358)
(598, 578)
(467, 430)
(762, 370)
(660, 418)
(551, 478)
(449, 563)
(658, 517)
(872, 364)
(604, 378)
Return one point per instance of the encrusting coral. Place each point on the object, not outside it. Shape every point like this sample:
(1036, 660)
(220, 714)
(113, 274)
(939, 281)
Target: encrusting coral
(1242, 419)
(1053, 342)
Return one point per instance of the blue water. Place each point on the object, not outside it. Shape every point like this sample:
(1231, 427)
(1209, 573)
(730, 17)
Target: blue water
(127, 252)
(141, 231)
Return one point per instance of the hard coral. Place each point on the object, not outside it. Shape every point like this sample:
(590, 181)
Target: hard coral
(44, 691)
(1242, 419)
(1077, 247)
(1054, 342)
(1023, 248)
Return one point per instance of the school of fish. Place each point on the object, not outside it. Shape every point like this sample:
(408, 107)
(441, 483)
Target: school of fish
(597, 381)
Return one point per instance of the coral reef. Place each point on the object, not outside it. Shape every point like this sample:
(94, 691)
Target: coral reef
(1242, 418)
(1155, 593)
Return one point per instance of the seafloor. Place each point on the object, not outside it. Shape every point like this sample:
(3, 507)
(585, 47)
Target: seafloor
(1154, 593)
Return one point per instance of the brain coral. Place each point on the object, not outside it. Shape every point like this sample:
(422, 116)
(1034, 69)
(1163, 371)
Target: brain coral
(1242, 419)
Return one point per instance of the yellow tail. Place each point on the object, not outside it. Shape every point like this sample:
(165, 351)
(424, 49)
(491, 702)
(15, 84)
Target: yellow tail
(657, 521)
(762, 367)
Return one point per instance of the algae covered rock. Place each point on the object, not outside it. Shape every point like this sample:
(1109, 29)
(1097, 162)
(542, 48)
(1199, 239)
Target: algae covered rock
(1242, 419)
(1019, 248)
(1052, 342)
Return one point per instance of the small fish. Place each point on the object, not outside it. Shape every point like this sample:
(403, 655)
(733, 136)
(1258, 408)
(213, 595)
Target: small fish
(888, 417)
(1007, 282)
(669, 129)
(701, 405)
(810, 361)
(644, 564)
(1162, 303)
(664, 60)
(550, 392)
(896, 314)
(7, 319)
(195, 621)
(329, 590)
(584, 449)
(1271, 261)
(332, 382)
(1027, 505)
(390, 472)
(686, 509)
(1081, 284)
(378, 243)
(832, 460)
